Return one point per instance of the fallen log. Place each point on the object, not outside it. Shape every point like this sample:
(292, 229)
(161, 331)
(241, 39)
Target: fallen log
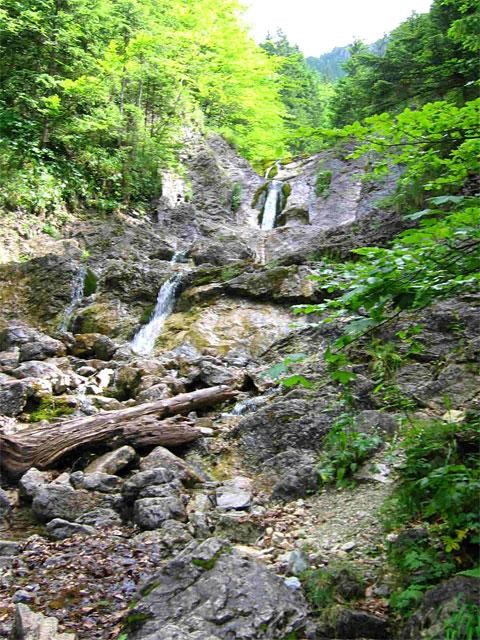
(143, 425)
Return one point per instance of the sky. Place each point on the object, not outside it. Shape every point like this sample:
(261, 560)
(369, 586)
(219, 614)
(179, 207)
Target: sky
(317, 26)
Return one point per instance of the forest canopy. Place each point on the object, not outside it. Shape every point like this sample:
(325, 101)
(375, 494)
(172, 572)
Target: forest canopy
(95, 95)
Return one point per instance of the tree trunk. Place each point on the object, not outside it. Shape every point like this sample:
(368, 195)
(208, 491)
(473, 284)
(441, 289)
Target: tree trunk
(44, 446)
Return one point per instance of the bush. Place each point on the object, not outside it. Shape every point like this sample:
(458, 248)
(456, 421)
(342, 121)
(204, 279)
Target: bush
(344, 450)
(323, 179)
(439, 484)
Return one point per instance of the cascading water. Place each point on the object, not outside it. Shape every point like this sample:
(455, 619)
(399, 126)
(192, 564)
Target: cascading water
(77, 295)
(144, 341)
(271, 205)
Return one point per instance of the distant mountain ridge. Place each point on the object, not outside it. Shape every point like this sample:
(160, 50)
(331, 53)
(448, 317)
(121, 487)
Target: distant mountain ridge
(329, 65)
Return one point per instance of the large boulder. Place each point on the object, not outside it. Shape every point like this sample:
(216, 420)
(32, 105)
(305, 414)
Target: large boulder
(13, 397)
(287, 423)
(58, 500)
(32, 344)
(210, 591)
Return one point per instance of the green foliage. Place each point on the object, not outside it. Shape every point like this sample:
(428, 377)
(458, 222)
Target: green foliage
(323, 178)
(96, 94)
(324, 588)
(304, 96)
(90, 283)
(438, 487)
(343, 451)
(279, 370)
(236, 199)
(147, 313)
(463, 624)
(48, 409)
(428, 57)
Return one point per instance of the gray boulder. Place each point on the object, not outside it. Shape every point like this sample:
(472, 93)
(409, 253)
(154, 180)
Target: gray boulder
(29, 625)
(284, 424)
(100, 518)
(32, 344)
(103, 482)
(134, 485)
(151, 513)
(62, 501)
(296, 474)
(209, 591)
(13, 397)
(161, 457)
(112, 461)
(60, 529)
(235, 494)
(31, 483)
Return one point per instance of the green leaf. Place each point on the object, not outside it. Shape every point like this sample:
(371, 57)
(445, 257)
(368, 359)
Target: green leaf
(295, 380)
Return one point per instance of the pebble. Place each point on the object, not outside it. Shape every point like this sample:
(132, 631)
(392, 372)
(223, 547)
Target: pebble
(348, 546)
(22, 596)
(277, 538)
(293, 583)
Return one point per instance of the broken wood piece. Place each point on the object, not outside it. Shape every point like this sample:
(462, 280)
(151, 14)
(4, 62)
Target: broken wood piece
(146, 424)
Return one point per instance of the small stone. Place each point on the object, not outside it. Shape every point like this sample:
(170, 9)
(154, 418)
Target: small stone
(297, 562)
(348, 546)
(269, 531)
(293, 583)
(22, 596)
(277, 538)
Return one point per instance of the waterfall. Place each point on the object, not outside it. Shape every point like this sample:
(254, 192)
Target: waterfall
(144, 341)
(271, 205)
(77, 295)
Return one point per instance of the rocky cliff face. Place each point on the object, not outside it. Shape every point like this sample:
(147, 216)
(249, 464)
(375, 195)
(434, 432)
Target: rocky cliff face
(207, 541)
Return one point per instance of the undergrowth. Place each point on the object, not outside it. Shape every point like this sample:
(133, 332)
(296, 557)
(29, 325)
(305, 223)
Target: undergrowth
(434, 508)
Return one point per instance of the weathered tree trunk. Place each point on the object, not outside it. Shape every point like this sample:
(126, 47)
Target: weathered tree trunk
(142, 425)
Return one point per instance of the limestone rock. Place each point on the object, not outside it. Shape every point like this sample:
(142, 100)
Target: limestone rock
(60, 529)
(296, 474)
(32, 344)
(234, 494)
(93, 345)
(13, 397)
(62, 501)
(283, 424)
(113, 461)
(151, 513)
(161, 457)
(211, 591)
(29, 625)
(103, 482)
(100, 518)
(46, 371)
(31, 483)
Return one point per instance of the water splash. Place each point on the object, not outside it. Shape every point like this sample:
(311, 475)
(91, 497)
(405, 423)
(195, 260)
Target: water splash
(77, 295)
(271, 205)
(144, 341)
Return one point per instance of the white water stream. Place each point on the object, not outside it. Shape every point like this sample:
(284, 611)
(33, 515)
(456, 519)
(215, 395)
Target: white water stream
(144, 341)
(271, 205)
(77, 295)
